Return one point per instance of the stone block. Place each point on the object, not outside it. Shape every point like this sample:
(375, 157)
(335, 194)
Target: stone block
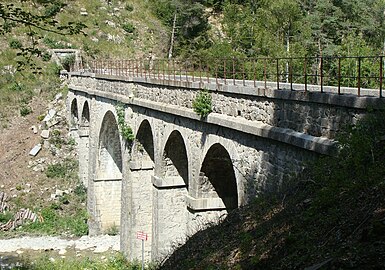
(45, 134)
(35, 150)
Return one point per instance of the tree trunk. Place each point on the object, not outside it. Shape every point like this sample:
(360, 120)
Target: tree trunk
(172, 37)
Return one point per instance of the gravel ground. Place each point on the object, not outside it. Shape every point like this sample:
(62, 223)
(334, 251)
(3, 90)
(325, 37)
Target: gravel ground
(97, 244)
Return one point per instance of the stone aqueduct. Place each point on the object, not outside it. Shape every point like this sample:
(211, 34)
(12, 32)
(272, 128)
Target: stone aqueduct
(182, 172)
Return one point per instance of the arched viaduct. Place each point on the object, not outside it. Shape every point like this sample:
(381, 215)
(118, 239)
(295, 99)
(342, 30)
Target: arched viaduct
(182, 172)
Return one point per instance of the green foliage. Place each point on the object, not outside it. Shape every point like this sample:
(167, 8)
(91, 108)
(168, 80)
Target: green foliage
(129, 7)
(202, 104)
(65, 170)
(53, 9)
(125, 130)
(112, 230)
(128, 27)
(15, 44)
(191, 23)
(68, 62)
(114, 262)
(34, 22)
(25, 110)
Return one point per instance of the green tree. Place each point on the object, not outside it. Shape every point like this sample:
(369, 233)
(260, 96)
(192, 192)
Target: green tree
(34, 17)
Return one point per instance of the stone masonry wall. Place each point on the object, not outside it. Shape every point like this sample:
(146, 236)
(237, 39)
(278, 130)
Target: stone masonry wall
(169, 202)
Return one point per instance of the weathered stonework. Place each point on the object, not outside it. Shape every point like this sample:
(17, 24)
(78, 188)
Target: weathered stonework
(183, 173)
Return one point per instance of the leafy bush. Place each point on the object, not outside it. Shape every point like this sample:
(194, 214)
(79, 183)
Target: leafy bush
(65, 170)
(46, 56)
(125, 130)
(68, 62)
(202, 104)
(128, 27)
(25, 110)
(53, 9)
(129, 7)
(15, 44)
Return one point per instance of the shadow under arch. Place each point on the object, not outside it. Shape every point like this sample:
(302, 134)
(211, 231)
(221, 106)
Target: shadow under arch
(74, 114)
(175, 161)
(85, 115)
(217, 170)
(109, 162)
(144, 144)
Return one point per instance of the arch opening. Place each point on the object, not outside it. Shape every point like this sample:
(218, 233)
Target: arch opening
(217, 176)
(144, 144)
(110, 154)
(175, 162)
(86, 115)
(74, 114)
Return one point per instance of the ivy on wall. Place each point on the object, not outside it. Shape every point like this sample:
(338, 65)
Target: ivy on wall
(202, 104)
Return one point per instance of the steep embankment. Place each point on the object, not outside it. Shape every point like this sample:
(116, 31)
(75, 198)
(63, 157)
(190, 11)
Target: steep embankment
(331, 217)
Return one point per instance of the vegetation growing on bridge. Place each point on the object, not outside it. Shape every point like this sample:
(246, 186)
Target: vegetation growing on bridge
(125, 130)
(202, 104)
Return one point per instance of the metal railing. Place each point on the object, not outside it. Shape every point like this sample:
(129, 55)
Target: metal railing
(362, 75)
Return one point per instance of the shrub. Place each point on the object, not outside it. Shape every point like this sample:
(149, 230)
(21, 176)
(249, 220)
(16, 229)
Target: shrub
(25, 110)
(125, 130)
(202, 104)
(46, 56)
(128, 27)
(53, 9)
(129, 7)
(15, 44)
(68, 62)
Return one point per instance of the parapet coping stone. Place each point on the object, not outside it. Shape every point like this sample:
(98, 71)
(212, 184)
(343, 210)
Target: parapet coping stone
(347, 99)
(315, 144)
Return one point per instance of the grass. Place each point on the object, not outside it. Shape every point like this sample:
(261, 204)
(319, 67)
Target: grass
(114, 262)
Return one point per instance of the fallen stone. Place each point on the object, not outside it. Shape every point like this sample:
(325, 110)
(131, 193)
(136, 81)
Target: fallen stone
(62, 252)
(45, 134)
(35, 150)
(51, 113)
(53, 196)
(59, 192)
(58, 96)
(38, 168)
(83, 13)
(34, 129)
(46, 144)
(52, 122)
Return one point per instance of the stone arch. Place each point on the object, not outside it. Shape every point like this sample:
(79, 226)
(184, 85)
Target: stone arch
(175, 161)
(74, 120)
(143, 148)
(109, 162)
(108, 176)
(217, 177)
(85, 121)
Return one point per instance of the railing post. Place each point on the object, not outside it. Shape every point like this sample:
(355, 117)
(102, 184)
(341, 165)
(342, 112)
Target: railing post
(224, 69)
(305, 72)
(264, 72)
(200, 70)
(321, 74)
(254, 72)
(381, 75)
(243, 72)
(233, 70)
(359, 77)
(291, 74)
(339, 75)
(277, 73)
